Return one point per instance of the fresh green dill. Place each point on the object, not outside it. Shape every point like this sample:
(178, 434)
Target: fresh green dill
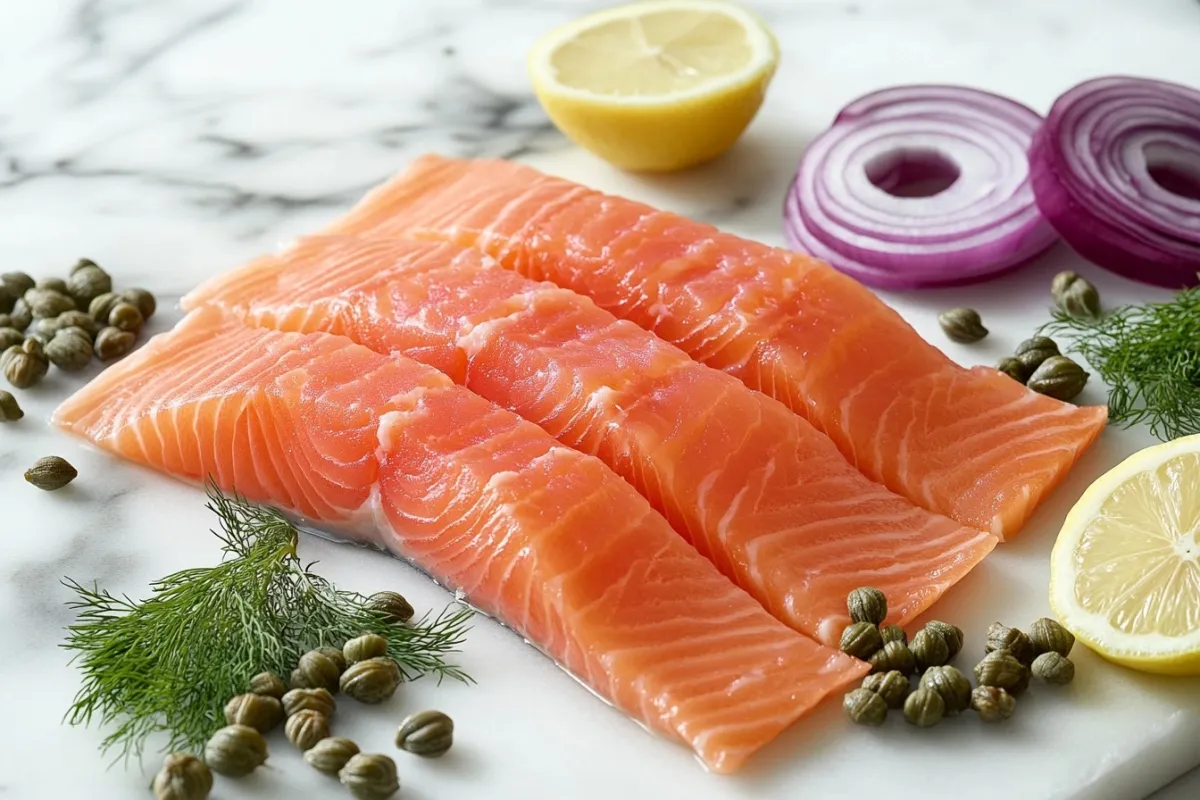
(170, 662)
(1149, 355)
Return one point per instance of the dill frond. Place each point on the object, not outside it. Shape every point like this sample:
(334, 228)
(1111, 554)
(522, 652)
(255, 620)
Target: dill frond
(170, 662)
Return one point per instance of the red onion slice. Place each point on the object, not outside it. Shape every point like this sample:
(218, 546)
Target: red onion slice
(1116, 170)
(963, 151)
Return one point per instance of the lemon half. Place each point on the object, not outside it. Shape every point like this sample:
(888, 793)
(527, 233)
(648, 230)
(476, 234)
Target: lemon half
(1125, 571)
(657, 85)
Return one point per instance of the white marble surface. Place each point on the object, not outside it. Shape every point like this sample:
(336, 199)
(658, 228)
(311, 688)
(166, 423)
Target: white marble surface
(171, 139)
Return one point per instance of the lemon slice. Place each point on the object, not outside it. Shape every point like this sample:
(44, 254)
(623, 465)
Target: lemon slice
(1125, 571)
(657, 85)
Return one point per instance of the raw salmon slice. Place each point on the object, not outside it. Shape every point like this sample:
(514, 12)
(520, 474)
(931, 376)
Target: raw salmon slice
(544, 538)
(754, 487)
(971, 444)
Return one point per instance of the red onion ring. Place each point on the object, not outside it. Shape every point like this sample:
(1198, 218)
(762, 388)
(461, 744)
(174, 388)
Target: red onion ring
(1116, 170)
(846, 205)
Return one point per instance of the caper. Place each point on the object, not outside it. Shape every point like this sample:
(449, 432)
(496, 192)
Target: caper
(126, 317)
(371, 681)
(893, 656)
(305, 728)
(43, 329)
(182, 777)
(25, 364)
(992, 704)
(865, 707)
(1048, 636)
(1002, 637)
(7, 299)
(951, 633)
(48, 302)
(70, 350)
(892, 686)
(269, 684)
(258, 711)
(962, 325)
(929, 649)
(113, 343)
(316, 671)
(1058, 377)
(309, 699)
(86, 282)
(20, 316)
(1001, 669)
(360, 648)
(951, 684)
(335, 655)
(102, 305)
(426, 733)
(1014, 368)
(50, 473)
(1053, 668)
(867, 604)
(10, 409)
(18, 283)
(861, 640)
(141, 298)
(51, 285)
(370, 776)
(892, 633)
(78, 319)
(235, 751)
(924, 708)
(10, 337)
(1032, 352)
(330, 754)
(392, 606)
(1075, 295)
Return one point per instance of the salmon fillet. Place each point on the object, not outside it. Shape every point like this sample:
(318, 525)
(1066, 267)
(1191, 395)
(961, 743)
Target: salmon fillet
(546, 539)
(754, 487)
(970, 444)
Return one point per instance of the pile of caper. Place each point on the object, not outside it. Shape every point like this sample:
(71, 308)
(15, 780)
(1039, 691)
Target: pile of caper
(305, 705)
(66, 323)
(1011, 658)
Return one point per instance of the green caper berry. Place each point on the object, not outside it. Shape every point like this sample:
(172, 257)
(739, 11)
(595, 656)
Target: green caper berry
(317, 671)
(330, 754)
(320, 700)
(860, 639)
(1001, 669)
(962, 325)
(1053, 668)
(892, 686)
(25, 364)
(18, 283)
(43, 329)
(80, 264)
(141, 298)
(426, 733)
(1002, 637)
(360, 648)
(20, 316)
(1048, 636)
(370, 776)
(951, 684)
(50, 473)
(10, 337)
(1075, 295)
(182, 777)
(371, 681)
(335, 655)
(392, 606)
(48, 302)
(78, 319)
(51, 285)
(865, 707)
(892, 633)
(929, 649)
(866, 604)
(992, 704)
(70, 350)
(1014, 368)
(305, 728)
(7, 299)
(112, 343)
(924, 708)
(102, 305)
(952, 634)
(1058, 377)
(1032, 352)
(126, 317)
(258, 711)
(235, 751)
(269, 684)
(893, 656)
(87, 282)
(10, 409)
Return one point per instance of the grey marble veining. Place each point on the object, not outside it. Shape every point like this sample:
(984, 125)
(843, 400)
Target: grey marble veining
(173, 139)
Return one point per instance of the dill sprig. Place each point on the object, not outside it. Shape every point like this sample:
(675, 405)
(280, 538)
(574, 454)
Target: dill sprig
(169, 663)
(1150, 357)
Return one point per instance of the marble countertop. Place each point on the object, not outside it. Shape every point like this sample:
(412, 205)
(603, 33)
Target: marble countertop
(172, 139)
